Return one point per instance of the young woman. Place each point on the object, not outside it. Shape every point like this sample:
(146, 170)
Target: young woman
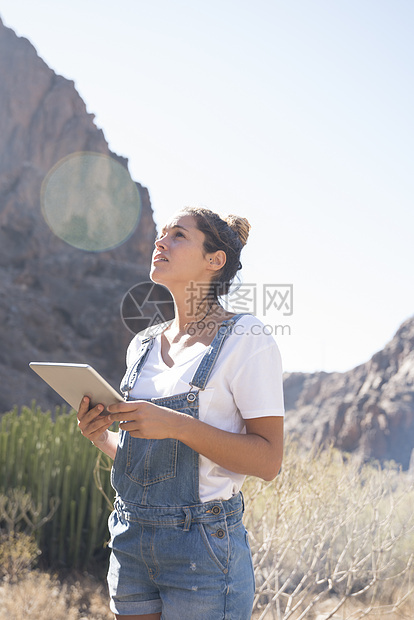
(204, 408)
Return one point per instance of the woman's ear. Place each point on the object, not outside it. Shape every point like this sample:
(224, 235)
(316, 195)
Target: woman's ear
(217, 260)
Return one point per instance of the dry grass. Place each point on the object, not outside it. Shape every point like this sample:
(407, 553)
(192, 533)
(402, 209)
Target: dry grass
(40, 596)
(354, 611)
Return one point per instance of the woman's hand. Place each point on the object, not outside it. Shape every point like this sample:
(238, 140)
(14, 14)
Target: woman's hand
(146, 420)
(91, 424)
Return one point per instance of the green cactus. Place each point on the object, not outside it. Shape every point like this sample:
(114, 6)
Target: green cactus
(47, 457)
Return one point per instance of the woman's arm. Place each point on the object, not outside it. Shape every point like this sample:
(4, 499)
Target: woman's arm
(257, 453)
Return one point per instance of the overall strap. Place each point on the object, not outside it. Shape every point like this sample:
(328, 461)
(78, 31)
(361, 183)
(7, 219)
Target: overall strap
(134, 370)
(147, 342)
(205, 367)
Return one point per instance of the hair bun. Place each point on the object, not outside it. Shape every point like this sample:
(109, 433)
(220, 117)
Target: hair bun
(240, 225)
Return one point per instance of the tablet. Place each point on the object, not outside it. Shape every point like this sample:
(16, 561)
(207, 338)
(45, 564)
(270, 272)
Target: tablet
(73, 381)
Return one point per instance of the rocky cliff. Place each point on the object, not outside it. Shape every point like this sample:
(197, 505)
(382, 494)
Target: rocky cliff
(368, 410)
(57, 303)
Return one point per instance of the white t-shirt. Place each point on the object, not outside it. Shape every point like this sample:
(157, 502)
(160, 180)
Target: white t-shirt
(245, 383)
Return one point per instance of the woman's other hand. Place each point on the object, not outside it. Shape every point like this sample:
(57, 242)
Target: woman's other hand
(92, 425)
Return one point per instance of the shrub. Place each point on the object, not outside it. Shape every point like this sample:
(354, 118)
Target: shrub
(329, 530)
(40, 596)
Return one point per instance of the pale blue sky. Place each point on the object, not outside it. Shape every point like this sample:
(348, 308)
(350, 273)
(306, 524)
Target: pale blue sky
(294, 114)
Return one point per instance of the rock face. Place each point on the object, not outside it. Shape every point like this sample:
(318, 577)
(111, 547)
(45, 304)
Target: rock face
(57, 303)
(368, 410)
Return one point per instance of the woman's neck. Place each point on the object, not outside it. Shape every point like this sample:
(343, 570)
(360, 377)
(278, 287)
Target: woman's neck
(194, 311)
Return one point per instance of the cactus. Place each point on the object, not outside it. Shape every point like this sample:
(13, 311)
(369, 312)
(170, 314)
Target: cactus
(50, 461)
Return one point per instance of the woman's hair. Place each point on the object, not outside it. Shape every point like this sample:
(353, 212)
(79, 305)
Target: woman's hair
(229, 234)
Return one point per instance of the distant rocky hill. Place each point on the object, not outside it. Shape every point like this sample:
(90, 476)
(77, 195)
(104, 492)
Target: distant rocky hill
(57, 303)
(368, 410)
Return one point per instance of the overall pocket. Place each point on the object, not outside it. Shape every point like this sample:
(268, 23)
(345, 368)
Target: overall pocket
(215, 536)
(151, 460)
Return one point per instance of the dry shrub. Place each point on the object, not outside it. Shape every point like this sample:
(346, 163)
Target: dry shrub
(32, 594)
(39, 596)
(18, 553)
(329, 532)
(19, 520)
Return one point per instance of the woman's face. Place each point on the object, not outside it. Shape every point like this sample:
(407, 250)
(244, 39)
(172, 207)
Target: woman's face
(178, 257)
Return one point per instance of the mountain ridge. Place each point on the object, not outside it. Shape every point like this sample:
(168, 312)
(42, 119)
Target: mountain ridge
(368, 410)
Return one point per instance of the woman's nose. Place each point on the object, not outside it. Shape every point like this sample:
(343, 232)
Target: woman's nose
(160, 243)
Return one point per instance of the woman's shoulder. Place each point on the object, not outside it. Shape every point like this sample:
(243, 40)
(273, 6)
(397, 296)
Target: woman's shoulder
(253, 332)
(249, 320)
(253, 342)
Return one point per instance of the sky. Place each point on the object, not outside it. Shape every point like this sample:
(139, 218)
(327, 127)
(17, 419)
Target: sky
(296, 114)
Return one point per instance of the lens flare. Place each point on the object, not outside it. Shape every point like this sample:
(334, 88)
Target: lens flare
(90, 201)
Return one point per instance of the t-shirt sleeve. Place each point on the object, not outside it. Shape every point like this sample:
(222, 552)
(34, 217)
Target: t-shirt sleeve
(258, 386)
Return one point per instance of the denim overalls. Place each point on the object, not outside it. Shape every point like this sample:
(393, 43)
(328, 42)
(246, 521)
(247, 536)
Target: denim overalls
(171, 552)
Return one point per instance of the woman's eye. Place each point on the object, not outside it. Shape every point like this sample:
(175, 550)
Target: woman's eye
(178, 233)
